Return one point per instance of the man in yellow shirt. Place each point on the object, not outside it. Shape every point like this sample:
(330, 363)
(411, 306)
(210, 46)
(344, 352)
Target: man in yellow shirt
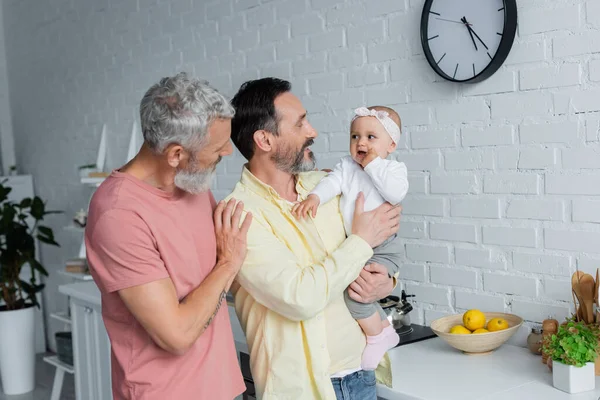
(304, 344)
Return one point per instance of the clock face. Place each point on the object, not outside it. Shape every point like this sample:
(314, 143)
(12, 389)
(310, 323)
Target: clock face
(467, 40)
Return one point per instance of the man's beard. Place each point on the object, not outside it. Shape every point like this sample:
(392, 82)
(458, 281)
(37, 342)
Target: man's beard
(195, 180)
(292, 162)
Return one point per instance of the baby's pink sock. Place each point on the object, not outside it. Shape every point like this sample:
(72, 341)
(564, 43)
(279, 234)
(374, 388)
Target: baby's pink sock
(377, 346)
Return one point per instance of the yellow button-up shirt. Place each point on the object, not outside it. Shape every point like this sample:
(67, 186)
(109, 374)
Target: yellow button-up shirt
(290, 303)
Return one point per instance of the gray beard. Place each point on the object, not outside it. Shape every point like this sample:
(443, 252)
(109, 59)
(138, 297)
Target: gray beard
(299, 164)
(194, 182)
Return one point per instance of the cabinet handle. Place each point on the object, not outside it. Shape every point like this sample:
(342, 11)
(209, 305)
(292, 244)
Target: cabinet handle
(88, 310)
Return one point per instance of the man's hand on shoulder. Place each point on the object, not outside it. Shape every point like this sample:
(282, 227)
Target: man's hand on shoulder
(231, 236)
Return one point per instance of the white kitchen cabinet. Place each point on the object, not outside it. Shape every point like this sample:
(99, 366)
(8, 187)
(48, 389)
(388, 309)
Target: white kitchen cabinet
(91, 347)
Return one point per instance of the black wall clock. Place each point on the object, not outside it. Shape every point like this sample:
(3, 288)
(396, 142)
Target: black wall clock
(467, 40)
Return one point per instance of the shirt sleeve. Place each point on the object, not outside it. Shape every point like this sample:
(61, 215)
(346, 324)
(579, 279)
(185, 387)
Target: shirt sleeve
(122, 252)
(330, 186)
(277, 279)
(390, 179)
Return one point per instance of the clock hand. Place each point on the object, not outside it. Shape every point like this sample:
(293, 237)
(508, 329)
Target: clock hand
(449, 20)
(464, 21)
(477, 36)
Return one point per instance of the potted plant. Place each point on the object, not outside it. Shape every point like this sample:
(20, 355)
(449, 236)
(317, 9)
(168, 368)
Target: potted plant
(19, 227)
(573, 352)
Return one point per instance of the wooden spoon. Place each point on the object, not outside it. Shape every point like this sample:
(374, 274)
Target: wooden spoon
(587, 286)
(575, 280)
(596, 299)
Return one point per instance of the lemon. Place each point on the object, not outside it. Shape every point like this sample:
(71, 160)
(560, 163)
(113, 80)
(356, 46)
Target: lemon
(473, 320)
(497, 324)
(480, 330)
(460, 330)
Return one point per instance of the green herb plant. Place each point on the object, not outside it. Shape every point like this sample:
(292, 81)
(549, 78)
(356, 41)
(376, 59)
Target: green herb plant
(575, 343)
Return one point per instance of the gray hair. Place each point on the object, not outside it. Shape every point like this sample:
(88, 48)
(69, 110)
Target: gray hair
(180, 110)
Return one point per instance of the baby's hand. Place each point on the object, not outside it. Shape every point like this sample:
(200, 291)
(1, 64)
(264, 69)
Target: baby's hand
(309, 205)
(371, 155)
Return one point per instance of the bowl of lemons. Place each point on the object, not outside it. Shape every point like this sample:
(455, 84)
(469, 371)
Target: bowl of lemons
(476, 332)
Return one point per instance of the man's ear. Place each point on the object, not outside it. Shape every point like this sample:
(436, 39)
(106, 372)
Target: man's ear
(263, 140)
(175, 155)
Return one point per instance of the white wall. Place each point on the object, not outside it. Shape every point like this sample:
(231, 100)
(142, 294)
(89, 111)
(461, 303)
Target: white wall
(7, 147)
(504, 174)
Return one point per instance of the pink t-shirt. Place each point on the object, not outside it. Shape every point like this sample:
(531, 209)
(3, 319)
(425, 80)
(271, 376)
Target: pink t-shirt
(137, 234)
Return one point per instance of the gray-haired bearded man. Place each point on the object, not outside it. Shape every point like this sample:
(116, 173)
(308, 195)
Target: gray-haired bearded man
(162, 266)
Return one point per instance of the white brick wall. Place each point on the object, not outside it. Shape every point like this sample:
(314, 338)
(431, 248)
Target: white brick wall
(504, 174)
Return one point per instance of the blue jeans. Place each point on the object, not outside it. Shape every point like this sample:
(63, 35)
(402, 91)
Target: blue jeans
(357, 386)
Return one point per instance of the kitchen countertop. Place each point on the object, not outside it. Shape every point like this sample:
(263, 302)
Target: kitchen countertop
(432, 370)
(87, 291)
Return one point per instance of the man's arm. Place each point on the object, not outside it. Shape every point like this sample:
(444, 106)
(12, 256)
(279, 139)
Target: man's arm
(277, 279)
(175, 325)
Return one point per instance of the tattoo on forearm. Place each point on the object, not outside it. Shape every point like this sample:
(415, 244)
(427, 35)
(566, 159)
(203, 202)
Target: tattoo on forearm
(221, 298)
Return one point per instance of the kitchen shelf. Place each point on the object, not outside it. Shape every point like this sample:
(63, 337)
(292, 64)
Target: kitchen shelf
(92, 181)
(53, 360)
(80, 276)
(61, 316)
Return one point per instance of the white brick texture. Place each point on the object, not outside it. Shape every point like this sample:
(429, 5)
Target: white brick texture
(483, 302)
(522, 237)
(586, 210)
(547, 210)
(485, 259)
(504, 174)
(510, 284)
(542, 19)
(413, 272)
(547, 77)
(453, 277)
(430, 294)
(438, 254)
(511, 183)
(453, 232)
(541, 263)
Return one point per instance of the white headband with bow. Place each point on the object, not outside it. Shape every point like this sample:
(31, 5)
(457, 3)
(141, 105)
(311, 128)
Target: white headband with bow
(382, 116)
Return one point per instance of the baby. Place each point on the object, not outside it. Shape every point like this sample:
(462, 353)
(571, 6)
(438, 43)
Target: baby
(374, 134)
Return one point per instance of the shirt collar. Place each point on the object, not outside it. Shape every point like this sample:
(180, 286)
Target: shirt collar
(262, 189)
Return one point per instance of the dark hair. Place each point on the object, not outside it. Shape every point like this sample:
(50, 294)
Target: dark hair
(254, 107)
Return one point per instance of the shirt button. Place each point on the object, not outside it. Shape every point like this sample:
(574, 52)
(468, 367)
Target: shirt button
(318, 317)
(323, 346)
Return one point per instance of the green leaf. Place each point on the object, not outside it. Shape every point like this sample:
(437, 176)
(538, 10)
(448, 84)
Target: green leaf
(26, 286)
(47, 240)
(44, 230)
(38, 267)
(37, 208)
(53, 212)
(25, 203)
(4, 191)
